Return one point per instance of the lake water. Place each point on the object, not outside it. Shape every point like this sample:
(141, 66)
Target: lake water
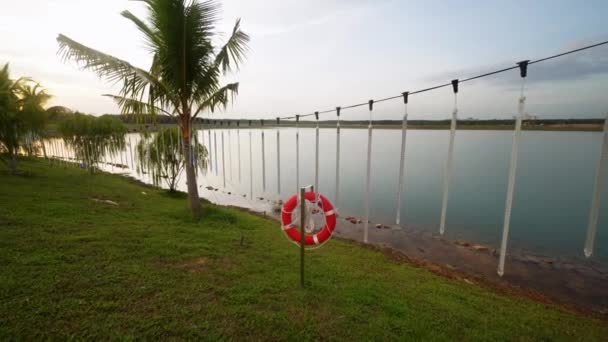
(552, 192)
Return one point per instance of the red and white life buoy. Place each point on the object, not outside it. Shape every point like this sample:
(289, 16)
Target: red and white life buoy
(309, 239)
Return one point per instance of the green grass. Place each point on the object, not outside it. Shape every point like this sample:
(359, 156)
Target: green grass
(73, 267)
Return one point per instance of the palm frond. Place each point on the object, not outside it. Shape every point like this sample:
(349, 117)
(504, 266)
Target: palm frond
(152, 38)
(133, 106)
(234, 51)
(111, 68)
(220, 98)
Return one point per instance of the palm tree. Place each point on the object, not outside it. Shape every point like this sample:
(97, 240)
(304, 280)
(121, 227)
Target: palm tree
(184, 78)
(32, 100)
(22, 115)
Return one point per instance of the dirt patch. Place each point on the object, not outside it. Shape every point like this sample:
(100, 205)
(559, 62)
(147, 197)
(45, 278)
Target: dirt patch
(201, 264)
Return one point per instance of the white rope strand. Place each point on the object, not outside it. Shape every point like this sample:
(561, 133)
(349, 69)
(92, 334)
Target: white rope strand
(279, 162)
(238, 150)
(230, 152)
(297, 154)
(511, 183)
(209, 154)
(215, 150)
(402, 160)
(337, 161)
(448, 168)
(598, 186)
(317, 156)
(263, 163)
(223, 161)
(368, 175)
(250, 167)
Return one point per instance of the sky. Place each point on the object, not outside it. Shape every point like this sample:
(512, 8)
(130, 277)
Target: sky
(314, 55)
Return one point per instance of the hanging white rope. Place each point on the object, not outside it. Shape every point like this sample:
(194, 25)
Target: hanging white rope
(131, 154)
(238, 147)
(209, 154)
(230, 153)
(223, 161)
(523, 69)
(297, 154)
(448, 168)
(250, 166)
(368, 175)
(263, 160)
(402, 158)
(317, 154)
(598, 186)
(278, 158)
(215, 150)
(336, 199)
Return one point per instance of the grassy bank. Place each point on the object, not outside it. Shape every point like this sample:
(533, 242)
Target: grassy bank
(75, 266)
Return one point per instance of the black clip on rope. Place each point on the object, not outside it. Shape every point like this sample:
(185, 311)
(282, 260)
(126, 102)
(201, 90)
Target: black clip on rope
(406, 96)
(523, 68)
(317, 115)
(371, 105)
(338, 111)
(455, 86)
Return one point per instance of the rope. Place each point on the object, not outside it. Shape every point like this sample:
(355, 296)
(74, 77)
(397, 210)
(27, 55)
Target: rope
(215, 150)
(230, 153)
(448, 84)
(402, 159)
(337, 160)
(263, 163)
(238, 143)
(512, 171)
(278, 163)
(297, 155)
(317, 156)
(597, 193)
(250, 167)
(223, 161)
(368, 175)
(450, 162)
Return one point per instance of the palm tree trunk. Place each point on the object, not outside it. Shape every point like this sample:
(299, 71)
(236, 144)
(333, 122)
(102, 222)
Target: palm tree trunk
(195, 204)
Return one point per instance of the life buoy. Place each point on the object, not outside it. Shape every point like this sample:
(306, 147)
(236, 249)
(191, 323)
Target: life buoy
(309, 239)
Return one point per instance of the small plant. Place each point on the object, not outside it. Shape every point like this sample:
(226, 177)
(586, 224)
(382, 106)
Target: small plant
(92, 137)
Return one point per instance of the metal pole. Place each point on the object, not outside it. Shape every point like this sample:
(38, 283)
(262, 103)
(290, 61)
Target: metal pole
(448, 168)
(597, 193)
(512, 171)
(402, 157)
(302, 233)
(368, 175)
